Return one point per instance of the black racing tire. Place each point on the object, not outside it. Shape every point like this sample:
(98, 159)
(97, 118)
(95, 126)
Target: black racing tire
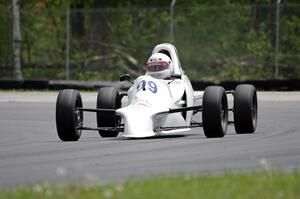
(68, 119)
(214, 112)
(108, 98)
(245, 109)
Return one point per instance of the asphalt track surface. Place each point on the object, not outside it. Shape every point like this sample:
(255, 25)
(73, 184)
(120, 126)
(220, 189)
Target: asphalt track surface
(31, 152)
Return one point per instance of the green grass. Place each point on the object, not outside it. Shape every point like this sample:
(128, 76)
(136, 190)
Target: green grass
(254, 185)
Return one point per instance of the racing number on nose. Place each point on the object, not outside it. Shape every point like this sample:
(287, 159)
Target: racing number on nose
(150, 86)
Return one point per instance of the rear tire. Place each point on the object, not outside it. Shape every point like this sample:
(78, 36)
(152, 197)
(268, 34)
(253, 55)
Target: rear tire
(68, 119)
(214, 112)
(245, 109)
(108, 98)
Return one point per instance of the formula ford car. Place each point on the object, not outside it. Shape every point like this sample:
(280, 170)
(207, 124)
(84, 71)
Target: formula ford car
(153, 107)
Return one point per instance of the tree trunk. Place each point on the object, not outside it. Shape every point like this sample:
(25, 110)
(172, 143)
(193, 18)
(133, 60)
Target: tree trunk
(254, 23)
(17, 39)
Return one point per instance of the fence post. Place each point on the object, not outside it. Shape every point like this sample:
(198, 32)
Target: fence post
(67, 43)
(17, 39)
(171, 21)
(277, 36)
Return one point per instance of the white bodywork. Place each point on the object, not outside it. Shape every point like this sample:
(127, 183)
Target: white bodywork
(149, 99)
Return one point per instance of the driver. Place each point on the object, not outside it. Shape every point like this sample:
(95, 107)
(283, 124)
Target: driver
(159, 66)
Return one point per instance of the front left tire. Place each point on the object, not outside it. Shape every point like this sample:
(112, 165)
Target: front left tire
(245, 109)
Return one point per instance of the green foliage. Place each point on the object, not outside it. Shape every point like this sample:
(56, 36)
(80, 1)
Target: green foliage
(43, 36)
(216, 40)
(290, 50)
(43, 73)
(266, 184)
(87, 75)
(5, 36)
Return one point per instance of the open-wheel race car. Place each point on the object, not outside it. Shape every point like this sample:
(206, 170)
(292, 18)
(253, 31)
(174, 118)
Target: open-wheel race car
(161, 102)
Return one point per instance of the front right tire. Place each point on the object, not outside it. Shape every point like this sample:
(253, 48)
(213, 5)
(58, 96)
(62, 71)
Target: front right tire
(108, 98)
(68, 118)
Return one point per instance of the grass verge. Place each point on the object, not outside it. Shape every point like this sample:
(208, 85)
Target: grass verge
(266, 184)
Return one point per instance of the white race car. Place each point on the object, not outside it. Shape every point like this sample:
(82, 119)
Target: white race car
(153, 107)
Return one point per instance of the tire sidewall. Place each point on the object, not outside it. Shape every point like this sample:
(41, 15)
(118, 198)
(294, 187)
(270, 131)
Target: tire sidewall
(245, 99)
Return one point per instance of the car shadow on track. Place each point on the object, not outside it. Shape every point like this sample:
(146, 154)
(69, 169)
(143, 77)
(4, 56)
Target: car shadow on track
(154, 137)
(172, 136)
(94, 138)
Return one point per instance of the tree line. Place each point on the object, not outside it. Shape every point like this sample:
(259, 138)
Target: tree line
(234, 39)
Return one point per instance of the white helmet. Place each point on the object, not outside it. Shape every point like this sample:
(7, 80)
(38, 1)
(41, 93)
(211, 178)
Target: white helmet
(159, 66)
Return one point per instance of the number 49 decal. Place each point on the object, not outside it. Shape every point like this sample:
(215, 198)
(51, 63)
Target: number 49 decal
(150, 85)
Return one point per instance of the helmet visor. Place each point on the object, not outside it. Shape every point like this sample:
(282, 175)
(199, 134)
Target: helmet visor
(157, 66)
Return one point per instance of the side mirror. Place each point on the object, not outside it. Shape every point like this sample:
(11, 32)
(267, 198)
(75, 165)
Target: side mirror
(125, 77)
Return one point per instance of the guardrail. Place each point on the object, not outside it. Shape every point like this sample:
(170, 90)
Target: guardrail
(275, 84)
(267, 85)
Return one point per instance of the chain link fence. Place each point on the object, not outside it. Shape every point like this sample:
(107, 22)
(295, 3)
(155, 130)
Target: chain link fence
(214, 43)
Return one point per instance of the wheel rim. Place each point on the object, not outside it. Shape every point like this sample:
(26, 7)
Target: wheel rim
(78, 116)
(223, 114)
(254, 110)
